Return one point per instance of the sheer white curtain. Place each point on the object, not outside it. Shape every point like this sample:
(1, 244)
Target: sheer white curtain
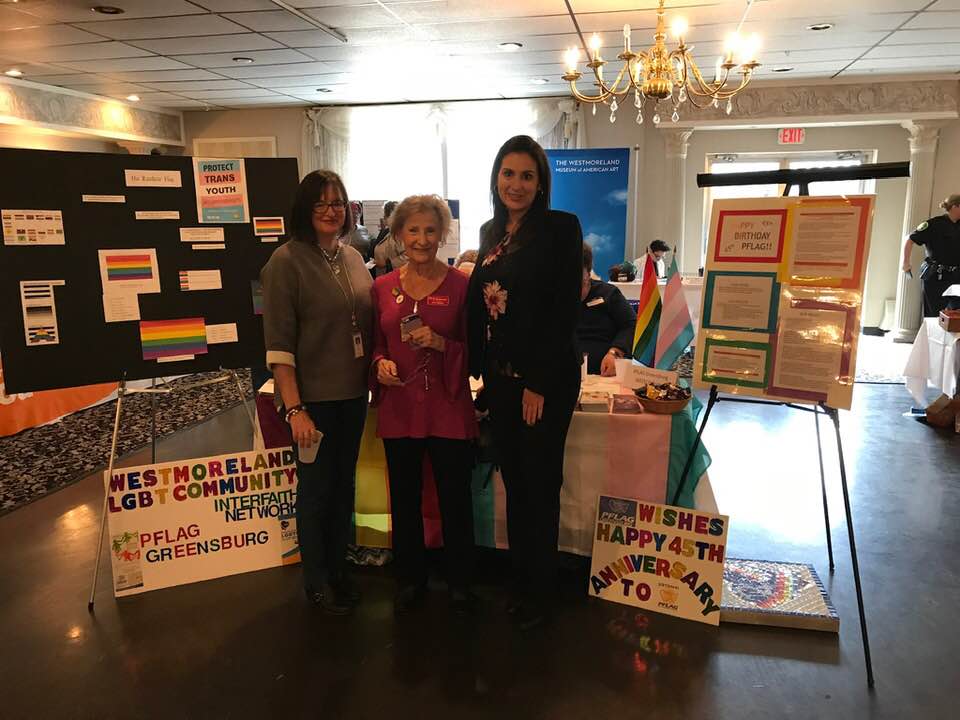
(324, 143)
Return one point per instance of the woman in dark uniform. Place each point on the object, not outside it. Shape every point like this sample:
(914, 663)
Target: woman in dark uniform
(940, 237)
(523, 308)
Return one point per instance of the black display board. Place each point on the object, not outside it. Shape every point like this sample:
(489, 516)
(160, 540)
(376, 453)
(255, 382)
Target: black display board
(91, 350)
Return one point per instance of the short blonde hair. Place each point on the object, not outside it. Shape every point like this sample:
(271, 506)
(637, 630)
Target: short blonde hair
(421, 203)
(950, 202)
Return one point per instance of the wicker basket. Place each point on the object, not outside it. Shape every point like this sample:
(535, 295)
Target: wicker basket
(662, 407)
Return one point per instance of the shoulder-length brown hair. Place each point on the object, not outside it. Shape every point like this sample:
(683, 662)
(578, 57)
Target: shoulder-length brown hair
(310, 192)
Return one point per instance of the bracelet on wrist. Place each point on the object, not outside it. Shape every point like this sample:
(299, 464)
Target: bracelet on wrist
(299, 408)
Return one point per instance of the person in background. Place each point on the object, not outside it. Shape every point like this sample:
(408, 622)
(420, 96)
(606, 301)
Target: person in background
(524, 304)
(426, 409)
(388, 254)
(317, 326)
(940, 237)
(625, 272)
(384, 234)
(466, 262)
(657, 249)
(359, 238)
(605, 330)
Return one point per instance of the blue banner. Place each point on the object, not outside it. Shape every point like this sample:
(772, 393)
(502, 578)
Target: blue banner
(592, 184)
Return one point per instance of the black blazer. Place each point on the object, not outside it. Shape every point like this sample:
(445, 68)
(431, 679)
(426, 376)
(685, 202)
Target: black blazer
(546, 304)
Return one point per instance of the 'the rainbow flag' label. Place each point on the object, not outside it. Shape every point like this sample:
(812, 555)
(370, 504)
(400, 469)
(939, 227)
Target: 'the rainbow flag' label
(267, 226)
(129, 267)
(170, 338)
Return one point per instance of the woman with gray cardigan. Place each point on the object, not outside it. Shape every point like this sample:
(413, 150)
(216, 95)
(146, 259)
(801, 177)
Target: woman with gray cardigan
(317, 326)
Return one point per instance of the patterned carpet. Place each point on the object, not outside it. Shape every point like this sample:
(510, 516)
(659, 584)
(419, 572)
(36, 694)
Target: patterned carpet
(42, 460)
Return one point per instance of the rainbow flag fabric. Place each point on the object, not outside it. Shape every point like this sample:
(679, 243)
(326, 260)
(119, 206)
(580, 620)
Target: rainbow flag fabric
(170, 338)
(129, 267)
(676, 330)
(648, 317)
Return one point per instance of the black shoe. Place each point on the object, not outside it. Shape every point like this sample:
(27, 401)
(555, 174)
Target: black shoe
(347, 591)
(409, 598)
(463, 602)
(327, 600)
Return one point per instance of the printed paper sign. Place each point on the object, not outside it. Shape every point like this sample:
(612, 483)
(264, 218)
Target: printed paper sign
(269, 226)
(39, 312)
(129, 270)
(209, 246)
(740, 301)
(640, 375)
(185, 521)
(221, 190)
(200, 280)
(32, 227)
(226, 333)
(120, 305)
(732, 362)
(157, 214)
(153, 178)
(104, 198)
(829, 241)
(659, 557)
(199, 235)
(750, 236)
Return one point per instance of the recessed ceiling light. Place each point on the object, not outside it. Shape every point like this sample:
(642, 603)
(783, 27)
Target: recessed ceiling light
(13, 72)
(108, 10)
(540, 81)
(820, 26)
(133, 98)
(510, 46)
(324, 90)
(243, 60)
(782, 69)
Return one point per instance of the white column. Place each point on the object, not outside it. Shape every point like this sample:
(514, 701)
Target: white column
(676, 141)
(923, 146)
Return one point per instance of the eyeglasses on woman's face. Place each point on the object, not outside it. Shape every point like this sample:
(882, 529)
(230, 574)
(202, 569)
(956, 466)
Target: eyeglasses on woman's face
(321, 207)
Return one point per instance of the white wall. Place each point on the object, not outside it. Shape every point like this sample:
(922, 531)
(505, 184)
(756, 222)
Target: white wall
(21, 136)
(946, 176)
(285, 124)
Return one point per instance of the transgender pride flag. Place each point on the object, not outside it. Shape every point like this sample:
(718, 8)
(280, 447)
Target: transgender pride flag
(676, 330)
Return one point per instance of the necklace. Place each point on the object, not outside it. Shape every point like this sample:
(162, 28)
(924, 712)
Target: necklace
(332, 258)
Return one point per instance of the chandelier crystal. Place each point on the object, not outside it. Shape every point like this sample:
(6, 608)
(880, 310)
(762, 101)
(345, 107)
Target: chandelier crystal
(658, 74)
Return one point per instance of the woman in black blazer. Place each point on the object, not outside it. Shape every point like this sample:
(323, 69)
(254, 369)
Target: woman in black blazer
(523, 311)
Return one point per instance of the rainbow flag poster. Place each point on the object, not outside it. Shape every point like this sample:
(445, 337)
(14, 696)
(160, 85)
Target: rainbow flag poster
(268, 226)
(648, 317)
(164, 340)
(131, 270)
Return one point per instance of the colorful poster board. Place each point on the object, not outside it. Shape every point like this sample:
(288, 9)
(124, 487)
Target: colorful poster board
(185, 521)
(660, 558)
(221, 190)
(783, 287)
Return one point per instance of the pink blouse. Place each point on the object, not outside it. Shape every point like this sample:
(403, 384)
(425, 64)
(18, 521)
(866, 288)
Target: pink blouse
(435, 400)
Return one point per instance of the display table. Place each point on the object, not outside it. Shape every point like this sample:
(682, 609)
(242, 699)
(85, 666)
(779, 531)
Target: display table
(934, 360)
(692, 292)
(628, 455)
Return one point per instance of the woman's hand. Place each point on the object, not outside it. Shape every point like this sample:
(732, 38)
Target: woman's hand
(907, 267)
(608, 366)
(387, 372)
(532, 407)
(303, 430)
(424, 337)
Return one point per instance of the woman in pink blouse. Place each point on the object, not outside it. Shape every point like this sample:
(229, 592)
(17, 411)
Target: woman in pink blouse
(425, 406)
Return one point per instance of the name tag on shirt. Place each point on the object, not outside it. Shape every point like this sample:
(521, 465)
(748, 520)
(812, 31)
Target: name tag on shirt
(595, 302)
(438, 300)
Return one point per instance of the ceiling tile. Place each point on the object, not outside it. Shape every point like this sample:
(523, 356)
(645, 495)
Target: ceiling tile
(274, 21)
(83, 51)
(225, 94)
(280, 70)
(932, 50)
(108, 87)
(213, 44)
(906, 64)
(126, 65)
(165, 75)
(915, 37)
(929, 20)
(300, 81)
(44, 36)
(225, 6)
(33, 70)
(169, 27)
(73, 11)
(466, 10)
(183, 85)
(63, 80)
(946, 5)
(351, 18)
(262, 57)
(493, 30)
(12, 19)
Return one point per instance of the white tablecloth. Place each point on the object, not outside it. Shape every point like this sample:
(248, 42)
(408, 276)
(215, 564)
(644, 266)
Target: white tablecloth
(692, 292)
(934, 360)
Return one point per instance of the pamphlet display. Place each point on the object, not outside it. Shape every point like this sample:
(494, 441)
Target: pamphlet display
(783, 289)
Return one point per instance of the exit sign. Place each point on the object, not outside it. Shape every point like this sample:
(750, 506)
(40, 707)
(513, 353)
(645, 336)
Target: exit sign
(791, 136)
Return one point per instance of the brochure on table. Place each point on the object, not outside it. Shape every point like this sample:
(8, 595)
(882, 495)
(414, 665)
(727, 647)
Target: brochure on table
(783, 288)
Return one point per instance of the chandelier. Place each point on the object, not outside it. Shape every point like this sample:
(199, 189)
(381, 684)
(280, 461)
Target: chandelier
(659, 74)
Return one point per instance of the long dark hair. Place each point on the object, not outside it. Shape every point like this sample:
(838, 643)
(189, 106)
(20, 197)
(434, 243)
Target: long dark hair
(528, 146)
(309, 193)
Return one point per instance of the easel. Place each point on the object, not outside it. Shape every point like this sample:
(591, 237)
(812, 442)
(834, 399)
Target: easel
(803, 178)
(154, 390)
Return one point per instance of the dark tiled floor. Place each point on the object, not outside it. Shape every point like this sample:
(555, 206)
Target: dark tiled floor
(248, 646)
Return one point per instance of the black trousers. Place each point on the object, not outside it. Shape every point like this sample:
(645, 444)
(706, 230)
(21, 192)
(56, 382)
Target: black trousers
(452, 463)
(933, 289)
(531, 461)
(326, 489)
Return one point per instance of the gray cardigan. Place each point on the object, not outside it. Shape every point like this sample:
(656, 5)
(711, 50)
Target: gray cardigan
(306, 320)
